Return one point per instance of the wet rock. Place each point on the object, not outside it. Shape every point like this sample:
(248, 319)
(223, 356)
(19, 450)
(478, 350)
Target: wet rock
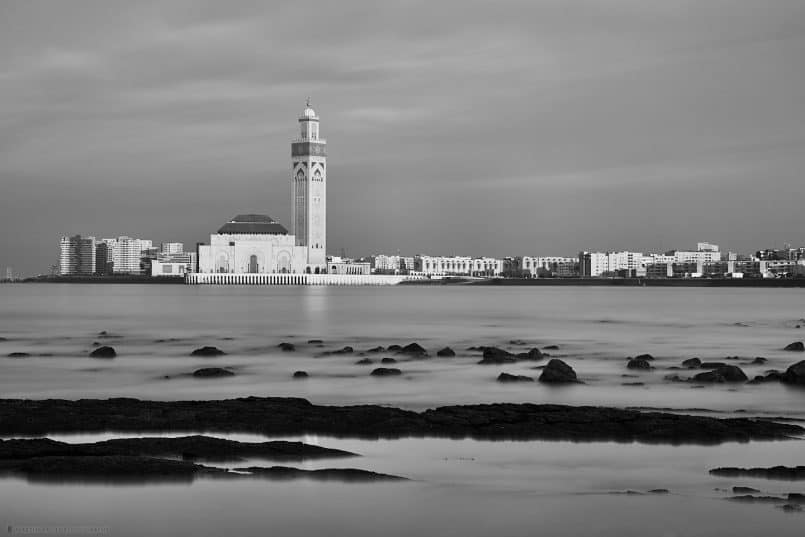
(364, 361)
(674, 378)
(796, 346)
(376, 349)
(771, 376)
(315, 341)
(794, 374)
(638, 363)
(727, 373)
(787, 473)
(744, 490)
(759, 361)
(103, 352)
(385, 372)
(506, 377)
(104, 468)
(533, 354)
(633, 383)
(286, 347)
(796, 497)
(394, 348)
(96, 343)
(446, 352)
(414, 349)
(300, 374)
(658, 491)
(323, 474)
(345, 350)
(18, 354)
(209, 372)
(207, 350)
(494, 355)
(692, 363)
(388, 361)
(551, 347)
(558, 372)
(712, 365)
(647, 357)
(790, 508)
(751, 498)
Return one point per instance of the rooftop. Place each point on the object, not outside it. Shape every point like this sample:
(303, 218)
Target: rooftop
(253, 224)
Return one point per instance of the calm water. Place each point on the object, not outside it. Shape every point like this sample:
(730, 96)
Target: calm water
(459, 487)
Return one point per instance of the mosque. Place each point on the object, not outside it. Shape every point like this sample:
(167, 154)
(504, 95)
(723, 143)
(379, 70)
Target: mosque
(257, 244)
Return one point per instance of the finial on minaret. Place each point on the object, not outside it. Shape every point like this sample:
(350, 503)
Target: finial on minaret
(307, 102)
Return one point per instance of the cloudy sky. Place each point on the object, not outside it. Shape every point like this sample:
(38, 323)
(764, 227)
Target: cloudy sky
(454, 127)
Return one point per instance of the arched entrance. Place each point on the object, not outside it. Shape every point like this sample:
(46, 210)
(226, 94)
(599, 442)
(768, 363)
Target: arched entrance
(253, 266)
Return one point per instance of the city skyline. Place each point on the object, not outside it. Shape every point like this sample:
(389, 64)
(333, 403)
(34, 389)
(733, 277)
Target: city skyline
(644, 126)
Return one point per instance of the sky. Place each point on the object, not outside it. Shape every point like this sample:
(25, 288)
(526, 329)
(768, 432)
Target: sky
(541, 127)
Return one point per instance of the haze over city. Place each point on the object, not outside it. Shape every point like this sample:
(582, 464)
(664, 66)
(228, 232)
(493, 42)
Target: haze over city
(453, 128)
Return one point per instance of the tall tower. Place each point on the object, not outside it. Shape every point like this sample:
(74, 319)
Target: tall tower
(309, 190)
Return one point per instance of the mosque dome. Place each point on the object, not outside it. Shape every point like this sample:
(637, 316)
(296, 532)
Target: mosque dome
(308, 113)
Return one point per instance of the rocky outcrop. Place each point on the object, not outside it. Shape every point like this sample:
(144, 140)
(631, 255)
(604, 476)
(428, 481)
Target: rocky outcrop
(18, 355)
(795, 374)
(446, 352)
(388, 361)
(646, 357)
(385, 372)
(323, 474)
(692, 363)
(638, 363)
(394, 348)
(414, 349)
(300, 374)
(796, 346)
(211, 372)
(727, 373)
(506, 377)
(376, 349)
(558, 372)
(364, 361)
(771, 376)
(287, 347)
(103, 352)
(207, 350)
(787, 473)
(494, 355)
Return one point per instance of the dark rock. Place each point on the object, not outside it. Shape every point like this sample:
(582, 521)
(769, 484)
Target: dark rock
(673, 378)
(647, 357)
(633, 383)
(744, 490)
(712, 365)
(394, 348)
(692, 363)
(759, 361)
(207, 351)
(376, 349)
(506, 377)
(324, 474)
(727, 373)
(103, 352)
(207, 372)
(771, 376)
(364, 361)
(96, 343)
(286, 347)
(658, 491)
(551, 347)
(787, 473)
(300, 374)
(446, 352)
(790, 508)
(345, 350)
(104, 468)
(18, 354)
(385, 372)
(796, 497)
(796, 346)
(750, 498)
(388, 361)
(557, 372)
(494, 355)
(517, 342)
(315, 341)
(413, 349)
(638, 363)
(533, 354)
(794, 374)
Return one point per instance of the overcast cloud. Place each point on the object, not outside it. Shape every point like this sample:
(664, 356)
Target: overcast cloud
(474, 128)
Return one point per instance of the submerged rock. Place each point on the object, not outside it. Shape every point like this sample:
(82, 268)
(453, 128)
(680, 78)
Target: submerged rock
(385, 372)
(103, 352)
(796, 346)
(506, 377)
(638, 363)
(551, 347)
(727, 373)
(413, 349)
(315, 341)
(287, 347)
(446, 352)
(388, 361)
(300, 374)
(494, 355)
(744, 490)
(558, 372)
(790, 508)
(207, 372)
(323, 474)
(394, 348)
(659, 491)
(345, 350)
(759, 361)
(795, 374)
(692, 363)
(207, 350)
(771, 376)
(376, 349)
(534, 354)
(364, 361)
(18, 354)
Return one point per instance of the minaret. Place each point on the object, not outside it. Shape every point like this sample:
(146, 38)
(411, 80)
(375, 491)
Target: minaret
(309, 190)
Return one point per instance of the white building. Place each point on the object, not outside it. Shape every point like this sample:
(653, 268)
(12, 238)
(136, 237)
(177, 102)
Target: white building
(392, 263)
(532, 266)
(458, 266)
(125, 254)
(170, 248)
(257, 244)
(76, 255)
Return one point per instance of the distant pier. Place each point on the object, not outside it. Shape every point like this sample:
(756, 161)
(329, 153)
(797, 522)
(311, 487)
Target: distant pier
(296, 279)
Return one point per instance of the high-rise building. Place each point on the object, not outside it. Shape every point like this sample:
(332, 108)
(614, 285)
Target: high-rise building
(127, 253)
(309, 190)
(76, 255)
(171, 248)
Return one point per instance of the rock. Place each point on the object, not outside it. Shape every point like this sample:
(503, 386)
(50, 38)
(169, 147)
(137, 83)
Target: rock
(364, 361)
(394, 348)
(638, 363)
(790, 508)
(413, 349)
(388, 361)
(103, 352)
(323, 474)
(750, 498)
(712, 365)
(315, 341)
(647, 357)
(759, 361)
(551, 347)
(796, 497)
(18, 354)
(692, 363)
(727, 373)
(517, 342)
(207, 351)
(794, 374)
(286, 347)
(494, 355)
(208, 372)
(796, 346)
(744, 490)
(446, 352)
(557, 372)
(673, 378)
(104, 469)
(376, 349)
(300, 374)
(787, 473)
(533, 354)
(385, 372)
(771, 376)
(345, 350)
(506, 377)
(658, 491)
(633, 383)
(96, 343)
